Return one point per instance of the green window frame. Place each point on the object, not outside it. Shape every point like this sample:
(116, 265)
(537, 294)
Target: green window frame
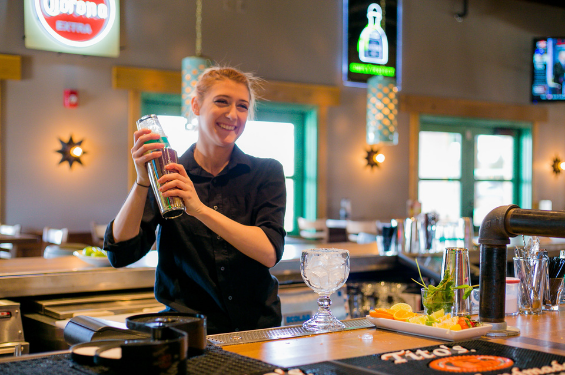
(469, 129)
(304, 118)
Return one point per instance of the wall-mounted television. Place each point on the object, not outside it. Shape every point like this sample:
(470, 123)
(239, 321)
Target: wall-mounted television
(548, 69)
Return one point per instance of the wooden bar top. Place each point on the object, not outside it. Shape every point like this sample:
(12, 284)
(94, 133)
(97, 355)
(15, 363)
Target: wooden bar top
(545, 332)
(35, 265)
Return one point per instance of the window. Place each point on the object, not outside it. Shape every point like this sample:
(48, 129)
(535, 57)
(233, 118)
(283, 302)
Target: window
(469, 167)
(286, 133)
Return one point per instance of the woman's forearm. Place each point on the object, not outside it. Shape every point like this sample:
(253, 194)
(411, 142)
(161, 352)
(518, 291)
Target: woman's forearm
(128, 220)
(250, 240)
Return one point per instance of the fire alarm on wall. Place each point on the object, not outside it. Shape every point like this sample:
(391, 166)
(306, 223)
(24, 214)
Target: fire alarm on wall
(70, 98)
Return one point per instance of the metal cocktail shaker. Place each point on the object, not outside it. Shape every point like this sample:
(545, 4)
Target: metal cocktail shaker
(170, 207)
(456, 262)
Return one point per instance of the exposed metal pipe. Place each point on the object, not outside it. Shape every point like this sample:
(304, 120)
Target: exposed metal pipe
(494, 235)
(459, 16)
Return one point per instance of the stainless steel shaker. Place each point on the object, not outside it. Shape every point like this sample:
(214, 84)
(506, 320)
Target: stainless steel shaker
(411, 236)
(456, 262)
(170, 207)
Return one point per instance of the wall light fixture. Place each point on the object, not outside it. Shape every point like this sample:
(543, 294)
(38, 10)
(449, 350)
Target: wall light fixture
(71, 151)
(374, 158)
(558, 165)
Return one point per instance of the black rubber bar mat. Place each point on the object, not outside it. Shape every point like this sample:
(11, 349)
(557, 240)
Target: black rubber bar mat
(214, 361)
(475, 357)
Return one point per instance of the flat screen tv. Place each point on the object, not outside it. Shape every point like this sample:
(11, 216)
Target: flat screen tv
(548, 69)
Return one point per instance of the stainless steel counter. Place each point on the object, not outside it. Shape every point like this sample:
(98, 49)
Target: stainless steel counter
(36, 276)
(25, 277)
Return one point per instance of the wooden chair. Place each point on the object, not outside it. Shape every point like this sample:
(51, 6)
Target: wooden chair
(6, 248)
(52, 239)
(55, 236)
(97, 231)
(362, 231)
(313, 229)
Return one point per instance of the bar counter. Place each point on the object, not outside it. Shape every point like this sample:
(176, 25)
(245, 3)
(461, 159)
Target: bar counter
(545, 332)
(35, 276)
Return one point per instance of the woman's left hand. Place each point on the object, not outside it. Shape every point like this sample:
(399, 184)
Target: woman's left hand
(177, 184)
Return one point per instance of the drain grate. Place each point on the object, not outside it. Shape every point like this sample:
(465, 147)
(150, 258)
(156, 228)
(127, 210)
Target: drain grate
(245, 337)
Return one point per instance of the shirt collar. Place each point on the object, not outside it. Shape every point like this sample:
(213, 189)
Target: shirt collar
(238, 159)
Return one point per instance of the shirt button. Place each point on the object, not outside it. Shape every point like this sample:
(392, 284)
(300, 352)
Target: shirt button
(216, 208)
(218, 237)
(230, 298)
(222, 268)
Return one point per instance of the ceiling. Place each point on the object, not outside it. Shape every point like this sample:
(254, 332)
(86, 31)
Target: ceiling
(555, 3)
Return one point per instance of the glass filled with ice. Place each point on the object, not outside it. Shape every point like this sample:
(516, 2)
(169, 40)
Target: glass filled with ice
(325, 271)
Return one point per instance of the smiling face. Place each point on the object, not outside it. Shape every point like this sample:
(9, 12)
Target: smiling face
(222, 112)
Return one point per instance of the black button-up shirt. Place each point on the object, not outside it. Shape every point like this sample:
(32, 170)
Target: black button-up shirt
(200, 272)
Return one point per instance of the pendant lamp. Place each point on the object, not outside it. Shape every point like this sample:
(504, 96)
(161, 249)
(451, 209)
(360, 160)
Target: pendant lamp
(192, 67)
(382, 111)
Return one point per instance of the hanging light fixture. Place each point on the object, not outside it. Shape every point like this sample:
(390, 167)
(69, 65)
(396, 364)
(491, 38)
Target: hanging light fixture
(382, 111)
(192, 67)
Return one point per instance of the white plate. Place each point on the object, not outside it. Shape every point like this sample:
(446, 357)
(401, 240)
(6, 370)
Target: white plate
(95, 261)
(427, 331)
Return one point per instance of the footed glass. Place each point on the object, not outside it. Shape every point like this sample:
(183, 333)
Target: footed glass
(325, 271)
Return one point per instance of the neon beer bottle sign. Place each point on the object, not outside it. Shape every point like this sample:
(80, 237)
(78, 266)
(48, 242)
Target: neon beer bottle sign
(373, 43)
(76, 23)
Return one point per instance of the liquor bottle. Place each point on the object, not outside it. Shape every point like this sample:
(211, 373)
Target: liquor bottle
(373, 43)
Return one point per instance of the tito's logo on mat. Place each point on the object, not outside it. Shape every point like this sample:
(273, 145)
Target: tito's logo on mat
(471, 363)
(76, 23)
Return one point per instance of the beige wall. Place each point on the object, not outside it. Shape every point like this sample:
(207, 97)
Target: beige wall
(486, 57)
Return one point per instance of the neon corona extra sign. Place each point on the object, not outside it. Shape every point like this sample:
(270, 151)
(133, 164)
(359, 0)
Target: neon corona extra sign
(76, 23)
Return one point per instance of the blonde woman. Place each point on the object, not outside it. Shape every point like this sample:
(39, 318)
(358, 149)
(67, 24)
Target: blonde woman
(214, 259)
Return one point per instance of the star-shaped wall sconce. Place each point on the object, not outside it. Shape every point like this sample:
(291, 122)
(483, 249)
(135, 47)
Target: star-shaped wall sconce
(558, 165)
(71, 151)
(374, 158)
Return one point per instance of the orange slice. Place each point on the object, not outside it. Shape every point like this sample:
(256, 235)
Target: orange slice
(403, 315)
(380, 314)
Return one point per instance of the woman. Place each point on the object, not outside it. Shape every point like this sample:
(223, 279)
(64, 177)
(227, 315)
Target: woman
(214, 260)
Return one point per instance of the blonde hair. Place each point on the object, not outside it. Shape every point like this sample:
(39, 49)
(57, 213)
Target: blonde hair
(212, 75)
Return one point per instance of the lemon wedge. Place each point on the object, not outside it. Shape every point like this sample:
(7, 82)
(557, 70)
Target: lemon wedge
(436, 315)
(401, 306)
(418, 319)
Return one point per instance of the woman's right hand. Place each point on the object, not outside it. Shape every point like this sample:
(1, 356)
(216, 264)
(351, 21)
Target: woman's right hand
(141, 154)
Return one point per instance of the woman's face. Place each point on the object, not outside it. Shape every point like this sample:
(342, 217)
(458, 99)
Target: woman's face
(222, 113)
